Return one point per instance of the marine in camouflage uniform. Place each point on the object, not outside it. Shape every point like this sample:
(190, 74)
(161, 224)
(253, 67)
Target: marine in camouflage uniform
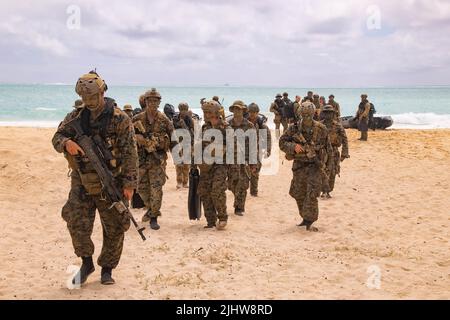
(307, 143)
(153, 135)
(213, 177)
(362, 115)
(316, 102)
(183, 120)
(259, 124)
(309, 97)
(336, 107)
(98, 116)
(338, 138)
(277, 109)
(128, 109)
(239, 174)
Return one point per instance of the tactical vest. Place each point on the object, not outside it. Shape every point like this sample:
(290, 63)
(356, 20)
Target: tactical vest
(105, 136)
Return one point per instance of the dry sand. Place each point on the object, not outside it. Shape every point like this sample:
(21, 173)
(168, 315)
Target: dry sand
(390, 211)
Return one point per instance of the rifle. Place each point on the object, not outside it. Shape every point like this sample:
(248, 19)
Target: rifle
(97, 154)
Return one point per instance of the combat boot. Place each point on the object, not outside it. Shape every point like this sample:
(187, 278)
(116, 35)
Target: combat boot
(302, 224)
(106, 278)
(239, 212)
(146, 216)
(222, 224)
(87, 267)
(154, 223)
(365, 136)
(210, 225)
(179, 185)
(185, 185)
(310, 227)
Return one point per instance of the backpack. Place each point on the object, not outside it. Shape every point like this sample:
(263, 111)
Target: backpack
(372, 109)
(169, 111)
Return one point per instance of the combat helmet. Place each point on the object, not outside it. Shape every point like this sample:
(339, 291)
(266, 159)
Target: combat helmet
(253, 107)
(152, 93)
(90, 84)
(307, 107)
(183, 106)
(238, 104)
(328, 108)
(211, 106)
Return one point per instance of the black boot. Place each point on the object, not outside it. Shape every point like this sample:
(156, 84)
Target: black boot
(87, 267)
(238, 212)
(107, 276)
(302, 224)
(310, 227)
(210, 225)
(154, 223)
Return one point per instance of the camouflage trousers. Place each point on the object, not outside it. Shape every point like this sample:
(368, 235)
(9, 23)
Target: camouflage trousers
(279, 120)
(151, 182)
(254, 179)
(333, 168)
(305, 189)
(211, 188)
(238, 183)
(79, 214)
(182, 173)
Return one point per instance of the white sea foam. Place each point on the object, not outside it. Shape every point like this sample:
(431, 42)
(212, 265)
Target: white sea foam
(421, 121)
(401, 121)
(30, 124)
(45, 109)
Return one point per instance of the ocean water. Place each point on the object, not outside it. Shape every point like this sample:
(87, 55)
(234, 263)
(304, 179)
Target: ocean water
(46, 105)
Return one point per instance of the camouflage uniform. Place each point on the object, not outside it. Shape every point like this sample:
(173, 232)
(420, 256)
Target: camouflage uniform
(363, 117)
(239, 174)
(115, 128)
(308, 165)
(277, 109)
(153, 159)
(128, 109)
(338, 138)
(336, 107)
(186, 122)
(259, 125)
(212, 185)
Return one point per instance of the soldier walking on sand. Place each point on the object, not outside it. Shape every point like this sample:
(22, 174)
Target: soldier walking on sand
(213, 174)
(307, 143)
(338, 138)
(101, 118)
(239, 173)
(153, 135)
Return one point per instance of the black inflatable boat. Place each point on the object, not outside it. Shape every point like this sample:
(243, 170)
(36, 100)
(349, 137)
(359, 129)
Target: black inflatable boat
(382, 123)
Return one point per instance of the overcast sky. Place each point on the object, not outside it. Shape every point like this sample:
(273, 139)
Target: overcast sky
(353, 43)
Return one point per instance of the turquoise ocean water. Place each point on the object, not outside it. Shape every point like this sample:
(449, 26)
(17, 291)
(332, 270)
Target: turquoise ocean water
(46, 105)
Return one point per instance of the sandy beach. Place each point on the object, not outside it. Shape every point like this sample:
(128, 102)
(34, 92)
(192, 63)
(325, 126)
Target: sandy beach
(390, 213)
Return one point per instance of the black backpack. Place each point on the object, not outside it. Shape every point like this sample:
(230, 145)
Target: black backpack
(169, 111)
(372, 109)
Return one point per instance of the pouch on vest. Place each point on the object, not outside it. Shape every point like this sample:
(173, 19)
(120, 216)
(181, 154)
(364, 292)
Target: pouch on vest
(91, 182)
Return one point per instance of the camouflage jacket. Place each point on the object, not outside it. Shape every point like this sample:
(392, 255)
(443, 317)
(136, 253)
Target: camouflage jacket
(268, 138)
(337, 135)
(363, 110)
(275, 108)
(315, 143)
(116, 130)
(152, 150)
(244, 126)
(205, 142)
(336, 107)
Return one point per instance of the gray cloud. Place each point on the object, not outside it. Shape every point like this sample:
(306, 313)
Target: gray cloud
(289, 43)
